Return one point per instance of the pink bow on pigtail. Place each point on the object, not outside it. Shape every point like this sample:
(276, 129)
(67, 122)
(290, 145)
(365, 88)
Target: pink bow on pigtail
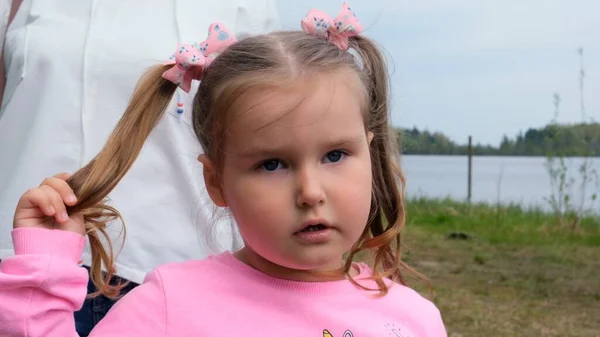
(336, 30)
(189, 65)
(219, 38)
(190, 61)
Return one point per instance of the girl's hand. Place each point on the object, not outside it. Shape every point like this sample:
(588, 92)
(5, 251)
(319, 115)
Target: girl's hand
(44, 207)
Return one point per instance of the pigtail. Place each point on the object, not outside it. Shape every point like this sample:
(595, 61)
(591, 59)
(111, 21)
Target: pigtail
(387, 216)
(98, 178)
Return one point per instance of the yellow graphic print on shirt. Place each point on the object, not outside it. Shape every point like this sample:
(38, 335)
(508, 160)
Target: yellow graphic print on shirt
(348, 333)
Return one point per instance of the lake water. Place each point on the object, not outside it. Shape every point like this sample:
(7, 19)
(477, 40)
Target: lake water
(523, 180)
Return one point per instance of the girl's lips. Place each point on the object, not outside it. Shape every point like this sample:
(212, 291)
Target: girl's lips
(314, 236)
(311, 223)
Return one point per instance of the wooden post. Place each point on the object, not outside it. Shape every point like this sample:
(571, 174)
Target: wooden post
(469, 171)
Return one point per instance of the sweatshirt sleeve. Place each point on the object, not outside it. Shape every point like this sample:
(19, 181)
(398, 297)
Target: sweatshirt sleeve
(42, 285)
(142, 312)
(437, 327)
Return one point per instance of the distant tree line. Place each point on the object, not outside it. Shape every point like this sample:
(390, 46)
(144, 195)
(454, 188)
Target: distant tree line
(554, 139)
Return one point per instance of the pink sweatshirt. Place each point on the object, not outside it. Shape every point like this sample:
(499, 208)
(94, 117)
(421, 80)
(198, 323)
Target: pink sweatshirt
(43, 285)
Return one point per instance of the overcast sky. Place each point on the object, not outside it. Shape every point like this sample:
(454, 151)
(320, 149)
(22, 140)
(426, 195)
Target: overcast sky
(480, 67)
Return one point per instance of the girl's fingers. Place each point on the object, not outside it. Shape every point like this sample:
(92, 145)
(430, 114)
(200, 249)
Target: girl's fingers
(57, 203)
(46, 207)
(60, 185)
(36, 197)
(63, 176)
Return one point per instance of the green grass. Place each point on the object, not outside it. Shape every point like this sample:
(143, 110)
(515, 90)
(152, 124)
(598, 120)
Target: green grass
(517, 274)
(500, 225)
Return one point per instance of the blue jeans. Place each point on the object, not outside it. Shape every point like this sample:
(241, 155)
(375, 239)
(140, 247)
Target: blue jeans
(94, 309)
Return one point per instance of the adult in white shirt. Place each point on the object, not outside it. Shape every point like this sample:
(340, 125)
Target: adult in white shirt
(71, 67)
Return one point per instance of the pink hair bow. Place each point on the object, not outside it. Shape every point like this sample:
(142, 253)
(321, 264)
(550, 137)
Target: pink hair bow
(190, 61)
(189, 64)
(336, 30)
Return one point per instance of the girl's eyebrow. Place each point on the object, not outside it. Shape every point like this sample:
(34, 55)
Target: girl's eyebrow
(347, 141)
(269, 151)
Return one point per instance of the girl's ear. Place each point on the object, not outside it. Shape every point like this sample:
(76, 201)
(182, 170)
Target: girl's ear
(369, 137)
(211, 180)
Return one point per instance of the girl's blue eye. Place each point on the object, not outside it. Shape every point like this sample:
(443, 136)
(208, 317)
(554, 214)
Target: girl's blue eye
(271, 165)
(334, 156)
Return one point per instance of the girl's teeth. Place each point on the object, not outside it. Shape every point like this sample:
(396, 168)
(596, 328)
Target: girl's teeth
(314, 228)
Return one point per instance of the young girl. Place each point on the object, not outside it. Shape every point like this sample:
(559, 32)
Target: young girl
(298, 147)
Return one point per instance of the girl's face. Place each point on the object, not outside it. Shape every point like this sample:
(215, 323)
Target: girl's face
(296, 173)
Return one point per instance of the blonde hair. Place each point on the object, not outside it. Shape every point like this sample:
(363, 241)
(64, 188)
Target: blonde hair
(255, 62)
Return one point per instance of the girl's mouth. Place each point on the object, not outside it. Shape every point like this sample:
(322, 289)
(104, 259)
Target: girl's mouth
(314, 228)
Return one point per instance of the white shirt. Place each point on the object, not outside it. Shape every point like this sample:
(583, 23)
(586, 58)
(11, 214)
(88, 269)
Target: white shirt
(71, 67)
(4, 14)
